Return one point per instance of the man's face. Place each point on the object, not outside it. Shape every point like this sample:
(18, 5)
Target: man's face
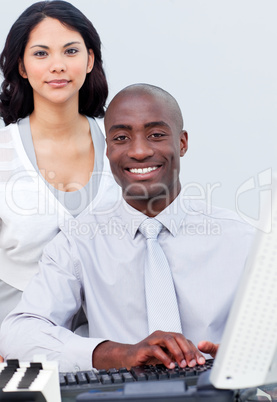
(144, 146)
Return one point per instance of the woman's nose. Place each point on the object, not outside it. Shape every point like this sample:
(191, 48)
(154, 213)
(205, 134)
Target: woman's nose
(57, 66)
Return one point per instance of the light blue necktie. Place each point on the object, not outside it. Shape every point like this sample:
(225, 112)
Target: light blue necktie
(162, 306)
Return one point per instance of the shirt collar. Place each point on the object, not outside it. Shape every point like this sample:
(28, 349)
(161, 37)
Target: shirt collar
(130, 217)
(172, 217)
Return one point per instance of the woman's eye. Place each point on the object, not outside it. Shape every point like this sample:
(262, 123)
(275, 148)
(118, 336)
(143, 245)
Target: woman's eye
(41, 53)
(71, 51)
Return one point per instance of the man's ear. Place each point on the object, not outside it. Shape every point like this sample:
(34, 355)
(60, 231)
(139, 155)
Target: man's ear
(21, 69)
(183, 142)
(107, 153)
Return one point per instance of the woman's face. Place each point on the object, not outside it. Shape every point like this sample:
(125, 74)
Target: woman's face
(55, 62)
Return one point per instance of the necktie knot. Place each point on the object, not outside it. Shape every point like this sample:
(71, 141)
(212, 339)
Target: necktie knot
(150, 228)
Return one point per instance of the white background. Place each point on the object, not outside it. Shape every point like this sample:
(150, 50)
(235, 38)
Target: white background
(218, 58)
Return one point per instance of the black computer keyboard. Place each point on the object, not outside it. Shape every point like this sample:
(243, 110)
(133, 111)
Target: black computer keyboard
(109, 380)
(140, 384)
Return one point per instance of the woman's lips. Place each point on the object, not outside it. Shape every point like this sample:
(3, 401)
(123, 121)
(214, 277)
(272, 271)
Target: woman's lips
(58, 83)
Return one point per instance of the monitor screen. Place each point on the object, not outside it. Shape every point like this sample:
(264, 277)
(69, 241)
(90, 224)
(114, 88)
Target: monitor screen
(247, 355)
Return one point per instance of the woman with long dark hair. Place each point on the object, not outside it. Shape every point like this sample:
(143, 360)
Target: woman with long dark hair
(51, 148)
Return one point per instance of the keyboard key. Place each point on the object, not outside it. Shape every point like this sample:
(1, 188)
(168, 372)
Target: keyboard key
(92, 377)
(163, 375)
(117, 378)
(62, 380)
(151, 376)
(13, 363)
(81, 377)
(113, 371)
(105, 379)
(127, 377)
(70, 379)
(172, 373)
(190, 372)
(123, 370)
(102, 372)
(28, 378)
(6, 374)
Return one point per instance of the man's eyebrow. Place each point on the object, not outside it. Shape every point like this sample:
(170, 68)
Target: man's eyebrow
(146, 125)
(66, 45)
(156, 124)
(120, 127)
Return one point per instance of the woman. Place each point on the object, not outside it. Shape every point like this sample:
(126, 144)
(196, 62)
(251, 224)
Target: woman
(51, 150)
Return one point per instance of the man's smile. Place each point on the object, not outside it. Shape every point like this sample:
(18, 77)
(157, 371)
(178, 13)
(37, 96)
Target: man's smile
(143, 170)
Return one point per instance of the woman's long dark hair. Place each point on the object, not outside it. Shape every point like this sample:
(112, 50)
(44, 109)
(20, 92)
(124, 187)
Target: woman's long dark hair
(16, 97)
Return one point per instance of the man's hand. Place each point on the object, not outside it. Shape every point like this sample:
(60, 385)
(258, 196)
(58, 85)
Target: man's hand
(160, 347)
(208, 347)
(1, 359)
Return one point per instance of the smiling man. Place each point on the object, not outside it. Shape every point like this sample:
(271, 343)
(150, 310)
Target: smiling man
(102, 261)
(145, 140)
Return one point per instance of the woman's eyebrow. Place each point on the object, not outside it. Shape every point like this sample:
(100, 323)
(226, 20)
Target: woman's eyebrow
(66, 45)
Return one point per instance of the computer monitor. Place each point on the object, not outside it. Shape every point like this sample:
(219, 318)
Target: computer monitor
(247, 355)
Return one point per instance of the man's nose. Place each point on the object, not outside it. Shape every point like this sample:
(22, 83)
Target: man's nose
(140, 148)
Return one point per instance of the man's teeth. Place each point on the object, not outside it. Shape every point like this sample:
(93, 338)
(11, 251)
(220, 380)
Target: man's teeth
(143, 170)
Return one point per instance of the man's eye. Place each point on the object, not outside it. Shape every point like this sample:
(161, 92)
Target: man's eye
(157, 135)
(121, 138)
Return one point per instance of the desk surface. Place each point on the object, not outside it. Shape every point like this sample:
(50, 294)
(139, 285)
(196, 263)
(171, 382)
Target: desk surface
(265, 393)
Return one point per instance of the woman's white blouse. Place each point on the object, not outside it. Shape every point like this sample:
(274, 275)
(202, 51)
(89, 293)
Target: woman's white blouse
(30, 214)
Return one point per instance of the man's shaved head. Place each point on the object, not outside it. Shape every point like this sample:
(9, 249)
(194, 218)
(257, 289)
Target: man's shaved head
(157, 92)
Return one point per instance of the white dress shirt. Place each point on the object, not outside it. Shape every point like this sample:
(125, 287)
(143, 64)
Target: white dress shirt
(98, 261)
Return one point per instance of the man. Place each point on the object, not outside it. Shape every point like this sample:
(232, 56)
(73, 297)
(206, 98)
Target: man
(99, 261)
